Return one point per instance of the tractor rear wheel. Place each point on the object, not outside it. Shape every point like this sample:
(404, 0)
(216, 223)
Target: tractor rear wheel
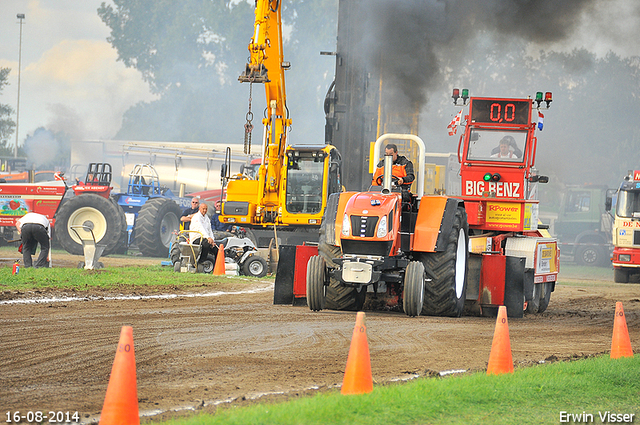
(413, 293)
(345, 298)
(92, 211)
(446, 292)
(157, 221)
(316, 289)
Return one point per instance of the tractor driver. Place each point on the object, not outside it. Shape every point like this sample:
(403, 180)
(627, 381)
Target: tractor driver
(402, 169)
(201, 224)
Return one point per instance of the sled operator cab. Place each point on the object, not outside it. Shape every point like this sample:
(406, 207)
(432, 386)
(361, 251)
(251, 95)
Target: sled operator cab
(497, 153)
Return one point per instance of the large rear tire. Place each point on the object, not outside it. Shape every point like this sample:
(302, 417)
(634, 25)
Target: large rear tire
(620, 276)
(446, 292)
(156, 223)
(316, 289)
(104, 217)
(413, 293)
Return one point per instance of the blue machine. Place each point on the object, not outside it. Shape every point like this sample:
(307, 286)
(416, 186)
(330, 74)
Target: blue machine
(152, 212)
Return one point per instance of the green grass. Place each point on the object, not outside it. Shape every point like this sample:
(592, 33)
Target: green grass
(106, 279)
(530, 395)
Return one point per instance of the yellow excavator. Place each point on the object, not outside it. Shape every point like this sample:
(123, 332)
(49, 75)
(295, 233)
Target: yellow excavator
(293, 182)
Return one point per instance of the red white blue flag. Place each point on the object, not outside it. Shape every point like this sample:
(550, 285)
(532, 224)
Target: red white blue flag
(540, 120)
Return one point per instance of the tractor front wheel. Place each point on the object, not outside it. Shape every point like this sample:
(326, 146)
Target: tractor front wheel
(316, 289)
(413, 294)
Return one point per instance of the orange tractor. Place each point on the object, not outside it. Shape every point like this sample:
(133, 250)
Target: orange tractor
(436, 254)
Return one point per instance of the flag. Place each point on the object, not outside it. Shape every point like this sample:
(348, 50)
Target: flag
(540, 119)
(453, 125)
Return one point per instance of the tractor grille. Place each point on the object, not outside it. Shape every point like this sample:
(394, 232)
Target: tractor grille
(366, 247)
(363, 226)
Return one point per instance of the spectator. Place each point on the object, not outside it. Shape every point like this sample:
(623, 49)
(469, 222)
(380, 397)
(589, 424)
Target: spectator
(186, 216)
(34, 229)
(218, 227)
(201, 232)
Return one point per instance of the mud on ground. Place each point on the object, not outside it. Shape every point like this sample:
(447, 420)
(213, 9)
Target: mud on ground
(230, 344)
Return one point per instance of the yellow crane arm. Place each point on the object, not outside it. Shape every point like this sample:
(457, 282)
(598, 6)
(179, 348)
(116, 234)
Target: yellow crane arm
(266, 65)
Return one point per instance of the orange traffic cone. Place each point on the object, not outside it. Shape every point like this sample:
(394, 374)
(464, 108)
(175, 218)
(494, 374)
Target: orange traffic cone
(500, 360)
(357, 376)
(620, 343)
(121, 402)
(219, 267)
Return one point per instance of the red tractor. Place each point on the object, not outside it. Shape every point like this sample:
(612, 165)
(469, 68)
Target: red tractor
(435, 254)
(86, 205)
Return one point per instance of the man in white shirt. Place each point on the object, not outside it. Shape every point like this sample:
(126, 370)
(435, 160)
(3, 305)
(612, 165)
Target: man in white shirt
(201, 223)
(34, 229)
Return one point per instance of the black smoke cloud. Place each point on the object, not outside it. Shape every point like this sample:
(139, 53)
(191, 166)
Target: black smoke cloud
(407, 40)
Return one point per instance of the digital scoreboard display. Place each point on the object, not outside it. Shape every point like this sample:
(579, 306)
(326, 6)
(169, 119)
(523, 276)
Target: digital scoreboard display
(501, 111)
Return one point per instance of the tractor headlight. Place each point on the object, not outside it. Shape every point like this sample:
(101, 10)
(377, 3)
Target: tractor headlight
(346, 225)
(381, 231)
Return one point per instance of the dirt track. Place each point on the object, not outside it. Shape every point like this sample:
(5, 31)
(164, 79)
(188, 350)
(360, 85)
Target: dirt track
(231, 344)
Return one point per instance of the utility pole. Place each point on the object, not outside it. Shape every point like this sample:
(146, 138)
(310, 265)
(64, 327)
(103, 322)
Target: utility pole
(15, 151)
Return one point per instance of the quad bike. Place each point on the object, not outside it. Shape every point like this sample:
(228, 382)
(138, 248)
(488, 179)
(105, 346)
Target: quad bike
(238, 248)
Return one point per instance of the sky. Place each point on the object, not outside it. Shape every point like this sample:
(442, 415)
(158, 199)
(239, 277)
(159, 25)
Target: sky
(70, 78)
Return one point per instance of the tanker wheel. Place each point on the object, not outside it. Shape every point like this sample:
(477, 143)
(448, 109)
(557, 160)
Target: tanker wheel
(104, 217)
(255, 266)
(620, 276)
(157, 221)
(413, 293)
(591, 255)
(446, 292)
(316, 289)
(541, 297)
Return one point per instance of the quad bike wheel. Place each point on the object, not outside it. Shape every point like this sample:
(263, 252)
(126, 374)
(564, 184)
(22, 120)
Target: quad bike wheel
(157, 221)
(101, 215)
(255, 266)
